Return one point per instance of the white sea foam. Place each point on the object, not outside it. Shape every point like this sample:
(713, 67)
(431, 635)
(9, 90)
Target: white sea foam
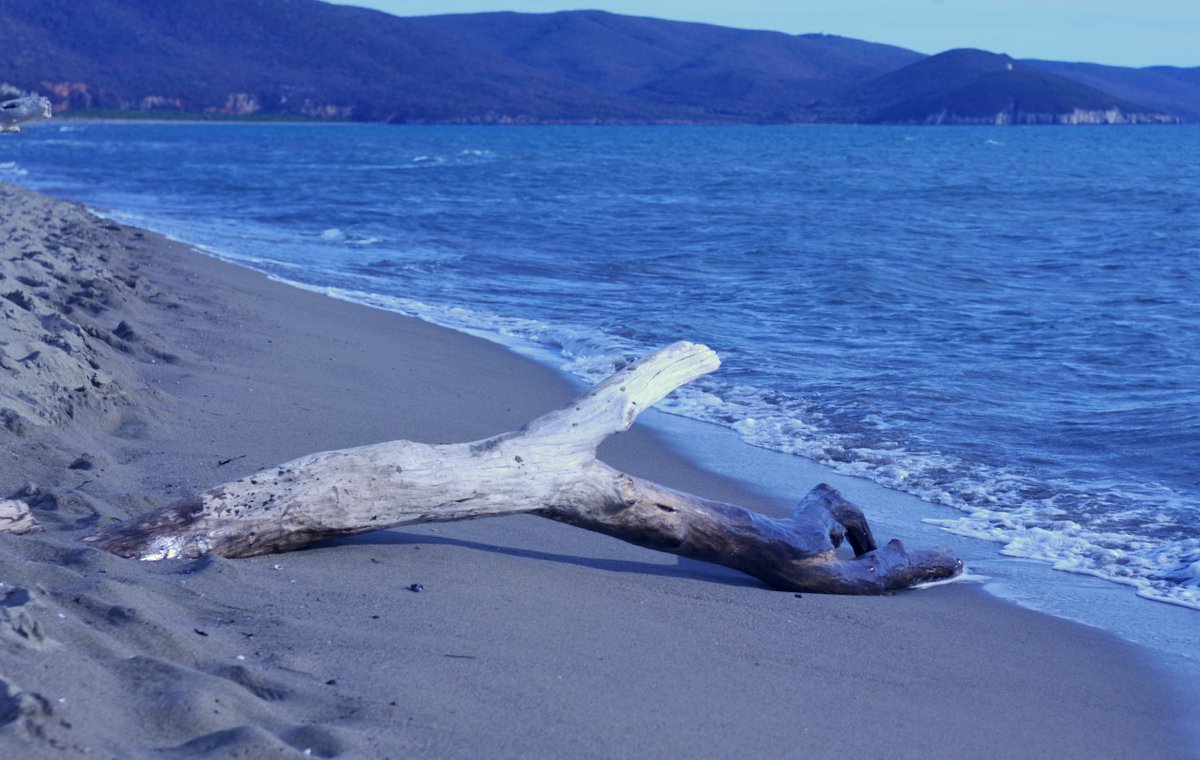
(1162, 570)
(125, 217)
(966, 576)
(347, 237)
(12, 169)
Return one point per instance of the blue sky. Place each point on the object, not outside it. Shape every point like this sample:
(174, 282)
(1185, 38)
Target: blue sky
(1118, 32)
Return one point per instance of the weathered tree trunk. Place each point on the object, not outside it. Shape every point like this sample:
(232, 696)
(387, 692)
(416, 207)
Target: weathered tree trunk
(548, 468)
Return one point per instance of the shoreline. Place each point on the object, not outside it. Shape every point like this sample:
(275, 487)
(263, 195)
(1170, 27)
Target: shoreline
(530, 637)
(1124, 518)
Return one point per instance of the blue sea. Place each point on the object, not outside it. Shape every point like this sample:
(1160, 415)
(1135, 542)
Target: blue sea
(1003, 322)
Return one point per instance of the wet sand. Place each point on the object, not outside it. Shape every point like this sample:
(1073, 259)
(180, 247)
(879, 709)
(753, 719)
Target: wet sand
(134, 371)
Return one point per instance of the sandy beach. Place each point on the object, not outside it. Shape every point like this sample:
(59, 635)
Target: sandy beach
(135, 371)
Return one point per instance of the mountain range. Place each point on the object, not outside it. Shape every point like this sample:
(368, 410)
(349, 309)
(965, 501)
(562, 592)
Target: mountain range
(309, 59)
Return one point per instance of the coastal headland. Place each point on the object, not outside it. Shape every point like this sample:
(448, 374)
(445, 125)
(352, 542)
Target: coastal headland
(135, 371)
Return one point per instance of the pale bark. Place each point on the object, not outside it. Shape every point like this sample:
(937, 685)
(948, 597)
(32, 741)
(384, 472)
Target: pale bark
(15, 517)
(548, 468)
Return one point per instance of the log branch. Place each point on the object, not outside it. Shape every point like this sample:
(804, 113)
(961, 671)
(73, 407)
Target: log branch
(548, 468)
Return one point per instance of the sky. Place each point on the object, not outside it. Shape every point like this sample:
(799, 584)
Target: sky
(1115, 32)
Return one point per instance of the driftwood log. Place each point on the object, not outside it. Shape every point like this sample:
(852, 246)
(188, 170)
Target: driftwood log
(548, 468)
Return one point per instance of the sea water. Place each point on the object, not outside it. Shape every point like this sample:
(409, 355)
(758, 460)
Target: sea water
(1003, 322)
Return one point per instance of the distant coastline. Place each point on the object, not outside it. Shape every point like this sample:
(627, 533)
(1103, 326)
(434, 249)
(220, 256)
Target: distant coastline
(1079, 118)
(283, 61)
(118, 116)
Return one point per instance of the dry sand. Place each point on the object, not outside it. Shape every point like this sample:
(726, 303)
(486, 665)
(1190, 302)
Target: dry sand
(134, 371)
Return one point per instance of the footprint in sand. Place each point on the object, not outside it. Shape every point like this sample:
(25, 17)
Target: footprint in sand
(18, 626)
(27, 711)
